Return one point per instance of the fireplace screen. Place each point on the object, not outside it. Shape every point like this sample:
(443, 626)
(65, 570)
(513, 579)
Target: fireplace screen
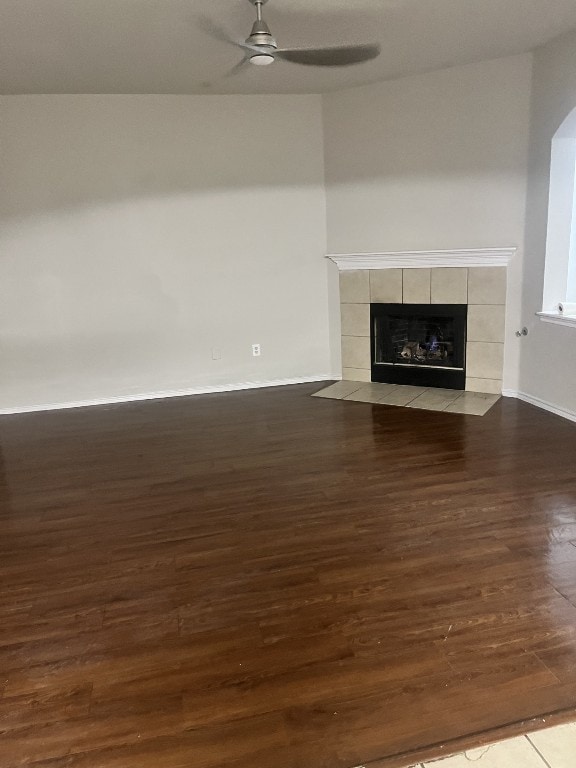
(419, 336)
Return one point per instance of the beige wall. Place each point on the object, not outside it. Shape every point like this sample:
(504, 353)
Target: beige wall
(434, 161)
(548, 363)
(128, 222)
(139, 232)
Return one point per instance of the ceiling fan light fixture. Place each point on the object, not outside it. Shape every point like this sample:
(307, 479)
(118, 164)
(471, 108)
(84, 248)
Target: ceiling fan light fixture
(262, 59)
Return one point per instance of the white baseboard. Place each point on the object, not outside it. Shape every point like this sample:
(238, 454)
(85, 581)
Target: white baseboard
(557, 410)
(167, 394)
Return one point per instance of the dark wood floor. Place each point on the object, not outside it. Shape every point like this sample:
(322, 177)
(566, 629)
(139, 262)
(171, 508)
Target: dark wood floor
(269, 579)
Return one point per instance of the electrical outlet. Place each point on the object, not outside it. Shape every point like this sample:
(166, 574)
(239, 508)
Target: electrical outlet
(216, 353)
(256, 351)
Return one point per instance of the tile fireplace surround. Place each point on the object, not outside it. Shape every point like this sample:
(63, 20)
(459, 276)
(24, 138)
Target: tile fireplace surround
(382, 278)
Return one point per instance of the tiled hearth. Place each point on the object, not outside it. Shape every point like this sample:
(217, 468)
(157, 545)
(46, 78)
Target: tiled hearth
(422, 398)
(483, 289)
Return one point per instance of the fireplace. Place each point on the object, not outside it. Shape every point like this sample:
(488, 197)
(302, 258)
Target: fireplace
(434, 279)
(419, 344)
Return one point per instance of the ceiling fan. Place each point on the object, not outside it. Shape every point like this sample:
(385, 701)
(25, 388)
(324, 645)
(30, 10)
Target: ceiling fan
(261, 48)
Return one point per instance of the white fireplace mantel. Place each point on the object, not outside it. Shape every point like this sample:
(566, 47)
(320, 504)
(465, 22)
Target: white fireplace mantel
(471, 257)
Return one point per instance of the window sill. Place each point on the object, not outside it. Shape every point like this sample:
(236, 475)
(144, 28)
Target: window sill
(557, 319)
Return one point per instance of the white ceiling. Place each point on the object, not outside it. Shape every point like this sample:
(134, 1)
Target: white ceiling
(161, 46)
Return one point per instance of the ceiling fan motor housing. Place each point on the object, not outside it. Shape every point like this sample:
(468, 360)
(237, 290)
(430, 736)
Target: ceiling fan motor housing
(261, 36)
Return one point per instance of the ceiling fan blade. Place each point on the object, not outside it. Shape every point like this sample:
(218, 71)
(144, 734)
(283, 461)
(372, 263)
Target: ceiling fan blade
(236, 68)
(339, 56)
(216, 32)
(230, 73)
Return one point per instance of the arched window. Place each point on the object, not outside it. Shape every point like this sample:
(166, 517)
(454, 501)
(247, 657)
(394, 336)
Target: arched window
(560, 272)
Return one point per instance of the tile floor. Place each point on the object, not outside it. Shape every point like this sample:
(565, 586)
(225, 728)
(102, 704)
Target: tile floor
(551, 748)
(428, 399)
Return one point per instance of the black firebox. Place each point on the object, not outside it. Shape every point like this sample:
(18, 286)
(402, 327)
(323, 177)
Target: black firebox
(419, 344)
